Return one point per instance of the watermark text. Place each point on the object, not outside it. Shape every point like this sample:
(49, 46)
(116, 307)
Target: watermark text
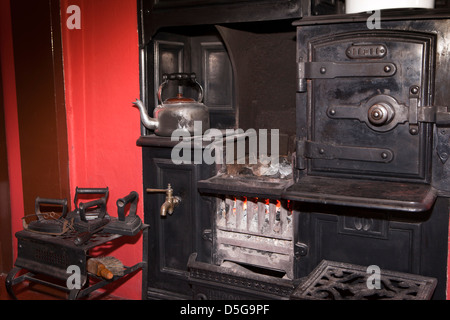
(74, 20)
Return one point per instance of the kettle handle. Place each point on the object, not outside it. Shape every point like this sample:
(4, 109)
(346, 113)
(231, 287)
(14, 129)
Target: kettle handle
(180, 76)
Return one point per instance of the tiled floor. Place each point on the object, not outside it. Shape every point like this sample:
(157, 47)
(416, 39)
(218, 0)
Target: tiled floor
(34, 291)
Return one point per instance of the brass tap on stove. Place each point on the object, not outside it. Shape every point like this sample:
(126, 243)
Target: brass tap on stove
(171, 201)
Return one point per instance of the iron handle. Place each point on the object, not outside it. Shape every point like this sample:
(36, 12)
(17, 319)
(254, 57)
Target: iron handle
(180, 76)
(95, 191)
(132, 198)
(94, 203)
(85, 236)
(82, 238)
(92, 190)
(59, 202)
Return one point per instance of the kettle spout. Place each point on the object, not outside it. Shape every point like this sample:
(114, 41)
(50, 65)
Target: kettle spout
(148, 122)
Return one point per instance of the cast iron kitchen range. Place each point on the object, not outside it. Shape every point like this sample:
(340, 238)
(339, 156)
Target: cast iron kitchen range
(362, 178)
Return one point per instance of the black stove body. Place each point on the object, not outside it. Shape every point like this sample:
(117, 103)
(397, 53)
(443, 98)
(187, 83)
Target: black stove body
(371, 171)
(373, 103)
(364, 117)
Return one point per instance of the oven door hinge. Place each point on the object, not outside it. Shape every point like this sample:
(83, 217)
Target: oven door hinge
(315, 150)
(440, 116)
(331, 70)
(442, 120)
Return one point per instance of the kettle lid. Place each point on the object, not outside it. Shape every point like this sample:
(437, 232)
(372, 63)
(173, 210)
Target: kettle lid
(179, 99)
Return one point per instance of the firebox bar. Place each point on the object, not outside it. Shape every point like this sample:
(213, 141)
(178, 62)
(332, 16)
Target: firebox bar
(250, 213)
(239, 212)
(276, 236)
(255, 245)
(261, 216)
(272, 215)
(283, 219)
(229, 211)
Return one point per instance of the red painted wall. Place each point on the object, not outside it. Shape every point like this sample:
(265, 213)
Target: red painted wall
(101, 65)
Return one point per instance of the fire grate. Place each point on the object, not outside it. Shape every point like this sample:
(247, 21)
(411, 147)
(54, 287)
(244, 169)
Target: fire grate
(255, 231)
(263, 217)
(342, 281)
(234, 282)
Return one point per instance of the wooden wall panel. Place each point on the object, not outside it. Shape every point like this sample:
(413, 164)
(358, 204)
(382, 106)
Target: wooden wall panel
(40, 100)
(5, 208)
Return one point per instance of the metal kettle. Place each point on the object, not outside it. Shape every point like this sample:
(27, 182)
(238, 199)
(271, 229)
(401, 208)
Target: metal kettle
(178, 112)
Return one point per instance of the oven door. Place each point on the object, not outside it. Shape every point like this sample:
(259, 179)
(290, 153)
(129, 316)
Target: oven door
(367, 98)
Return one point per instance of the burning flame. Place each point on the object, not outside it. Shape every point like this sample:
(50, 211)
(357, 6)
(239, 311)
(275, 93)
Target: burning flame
(244, 202)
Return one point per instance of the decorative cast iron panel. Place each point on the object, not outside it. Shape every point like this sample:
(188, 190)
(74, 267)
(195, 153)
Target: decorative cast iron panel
(342, 281)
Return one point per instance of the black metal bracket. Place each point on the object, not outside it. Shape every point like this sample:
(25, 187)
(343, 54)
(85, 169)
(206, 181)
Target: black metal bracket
(443, 143)
(316, 150)
(207, 235)
(300, 250)
(331, 70)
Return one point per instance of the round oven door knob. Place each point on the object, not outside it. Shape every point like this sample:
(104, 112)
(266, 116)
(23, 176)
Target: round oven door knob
(380, 114)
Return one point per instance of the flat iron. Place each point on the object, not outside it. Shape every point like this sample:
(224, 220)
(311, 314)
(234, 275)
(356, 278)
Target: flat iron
(90, 216)
(128, 225)
(50, 222)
